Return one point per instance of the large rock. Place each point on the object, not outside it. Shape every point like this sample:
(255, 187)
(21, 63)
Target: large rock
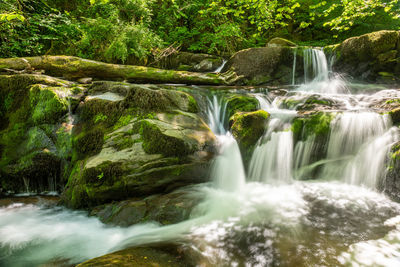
(237, 103)
(144, 141)
(165, 209)
(277, 41)
(34, 134)
(264, 65)
(247, 128)
(373, 57)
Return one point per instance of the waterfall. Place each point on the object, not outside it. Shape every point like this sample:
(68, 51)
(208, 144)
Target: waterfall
(219, 69)
(271, 161)
(302, 157)
(358, 146)
(318, 76)
(227, 169)
(315, 65)
(294, 67)
(216, 114)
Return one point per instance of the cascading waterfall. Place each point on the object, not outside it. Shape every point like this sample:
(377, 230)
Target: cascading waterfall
(219, 69)
(271, 219)
(227, 170)
(272, 159)
(315, 65)
(358, 146)
(317, 75)
(294, 67)
(216, 114)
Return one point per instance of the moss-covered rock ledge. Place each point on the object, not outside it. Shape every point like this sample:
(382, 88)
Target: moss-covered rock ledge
(135, 141)
(75, 68)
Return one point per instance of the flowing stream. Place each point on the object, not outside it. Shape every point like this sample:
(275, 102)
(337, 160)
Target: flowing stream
(291, 206)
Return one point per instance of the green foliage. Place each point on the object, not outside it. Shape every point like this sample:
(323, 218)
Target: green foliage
(116, 31)
(136, 31)
(33, 28)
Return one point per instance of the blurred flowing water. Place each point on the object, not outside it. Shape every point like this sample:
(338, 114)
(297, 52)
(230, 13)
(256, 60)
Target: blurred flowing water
(269, 214)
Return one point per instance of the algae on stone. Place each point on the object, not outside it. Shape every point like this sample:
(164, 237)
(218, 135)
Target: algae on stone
(247, 128)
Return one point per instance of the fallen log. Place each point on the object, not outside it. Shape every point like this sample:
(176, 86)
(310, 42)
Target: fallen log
(75, 68)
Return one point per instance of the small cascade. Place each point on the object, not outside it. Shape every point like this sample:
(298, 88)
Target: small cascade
(216, 114)
(272, 159)
(302, 157)
(219, 69)
(294, 67)
(318, 76)
(358, 146)
(227, 169)
(315, 66)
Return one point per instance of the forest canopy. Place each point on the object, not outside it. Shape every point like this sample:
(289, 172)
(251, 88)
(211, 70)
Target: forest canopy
(137, 31)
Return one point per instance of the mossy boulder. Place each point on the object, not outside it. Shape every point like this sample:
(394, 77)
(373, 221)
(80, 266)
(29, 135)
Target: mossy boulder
(160, 256)
(247, 128)
(277, 41)
(144, 155)
(34, 135)
(395, 115)
(312, 124)
(264, 65)
(314, 127)
(237, 103)
(365, 56)
(391, 184)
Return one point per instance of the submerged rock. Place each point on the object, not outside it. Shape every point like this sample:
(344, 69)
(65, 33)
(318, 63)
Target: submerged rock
(165, 209)
(161, 256)
(314, 127)
(391, 183)
(306, 103)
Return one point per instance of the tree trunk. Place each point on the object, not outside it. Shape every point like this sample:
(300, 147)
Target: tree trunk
(75, 68)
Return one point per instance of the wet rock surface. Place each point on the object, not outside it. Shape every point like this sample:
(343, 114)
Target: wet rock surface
(165, 209)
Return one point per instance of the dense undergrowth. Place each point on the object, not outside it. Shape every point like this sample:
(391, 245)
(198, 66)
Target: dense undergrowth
(140, 31)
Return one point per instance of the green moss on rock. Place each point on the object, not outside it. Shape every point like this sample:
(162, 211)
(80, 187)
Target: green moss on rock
(247, 128)
(47, 106)
(158, 140)
(240, 103)
(277, 41)
(88, 143)
(316, 124)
